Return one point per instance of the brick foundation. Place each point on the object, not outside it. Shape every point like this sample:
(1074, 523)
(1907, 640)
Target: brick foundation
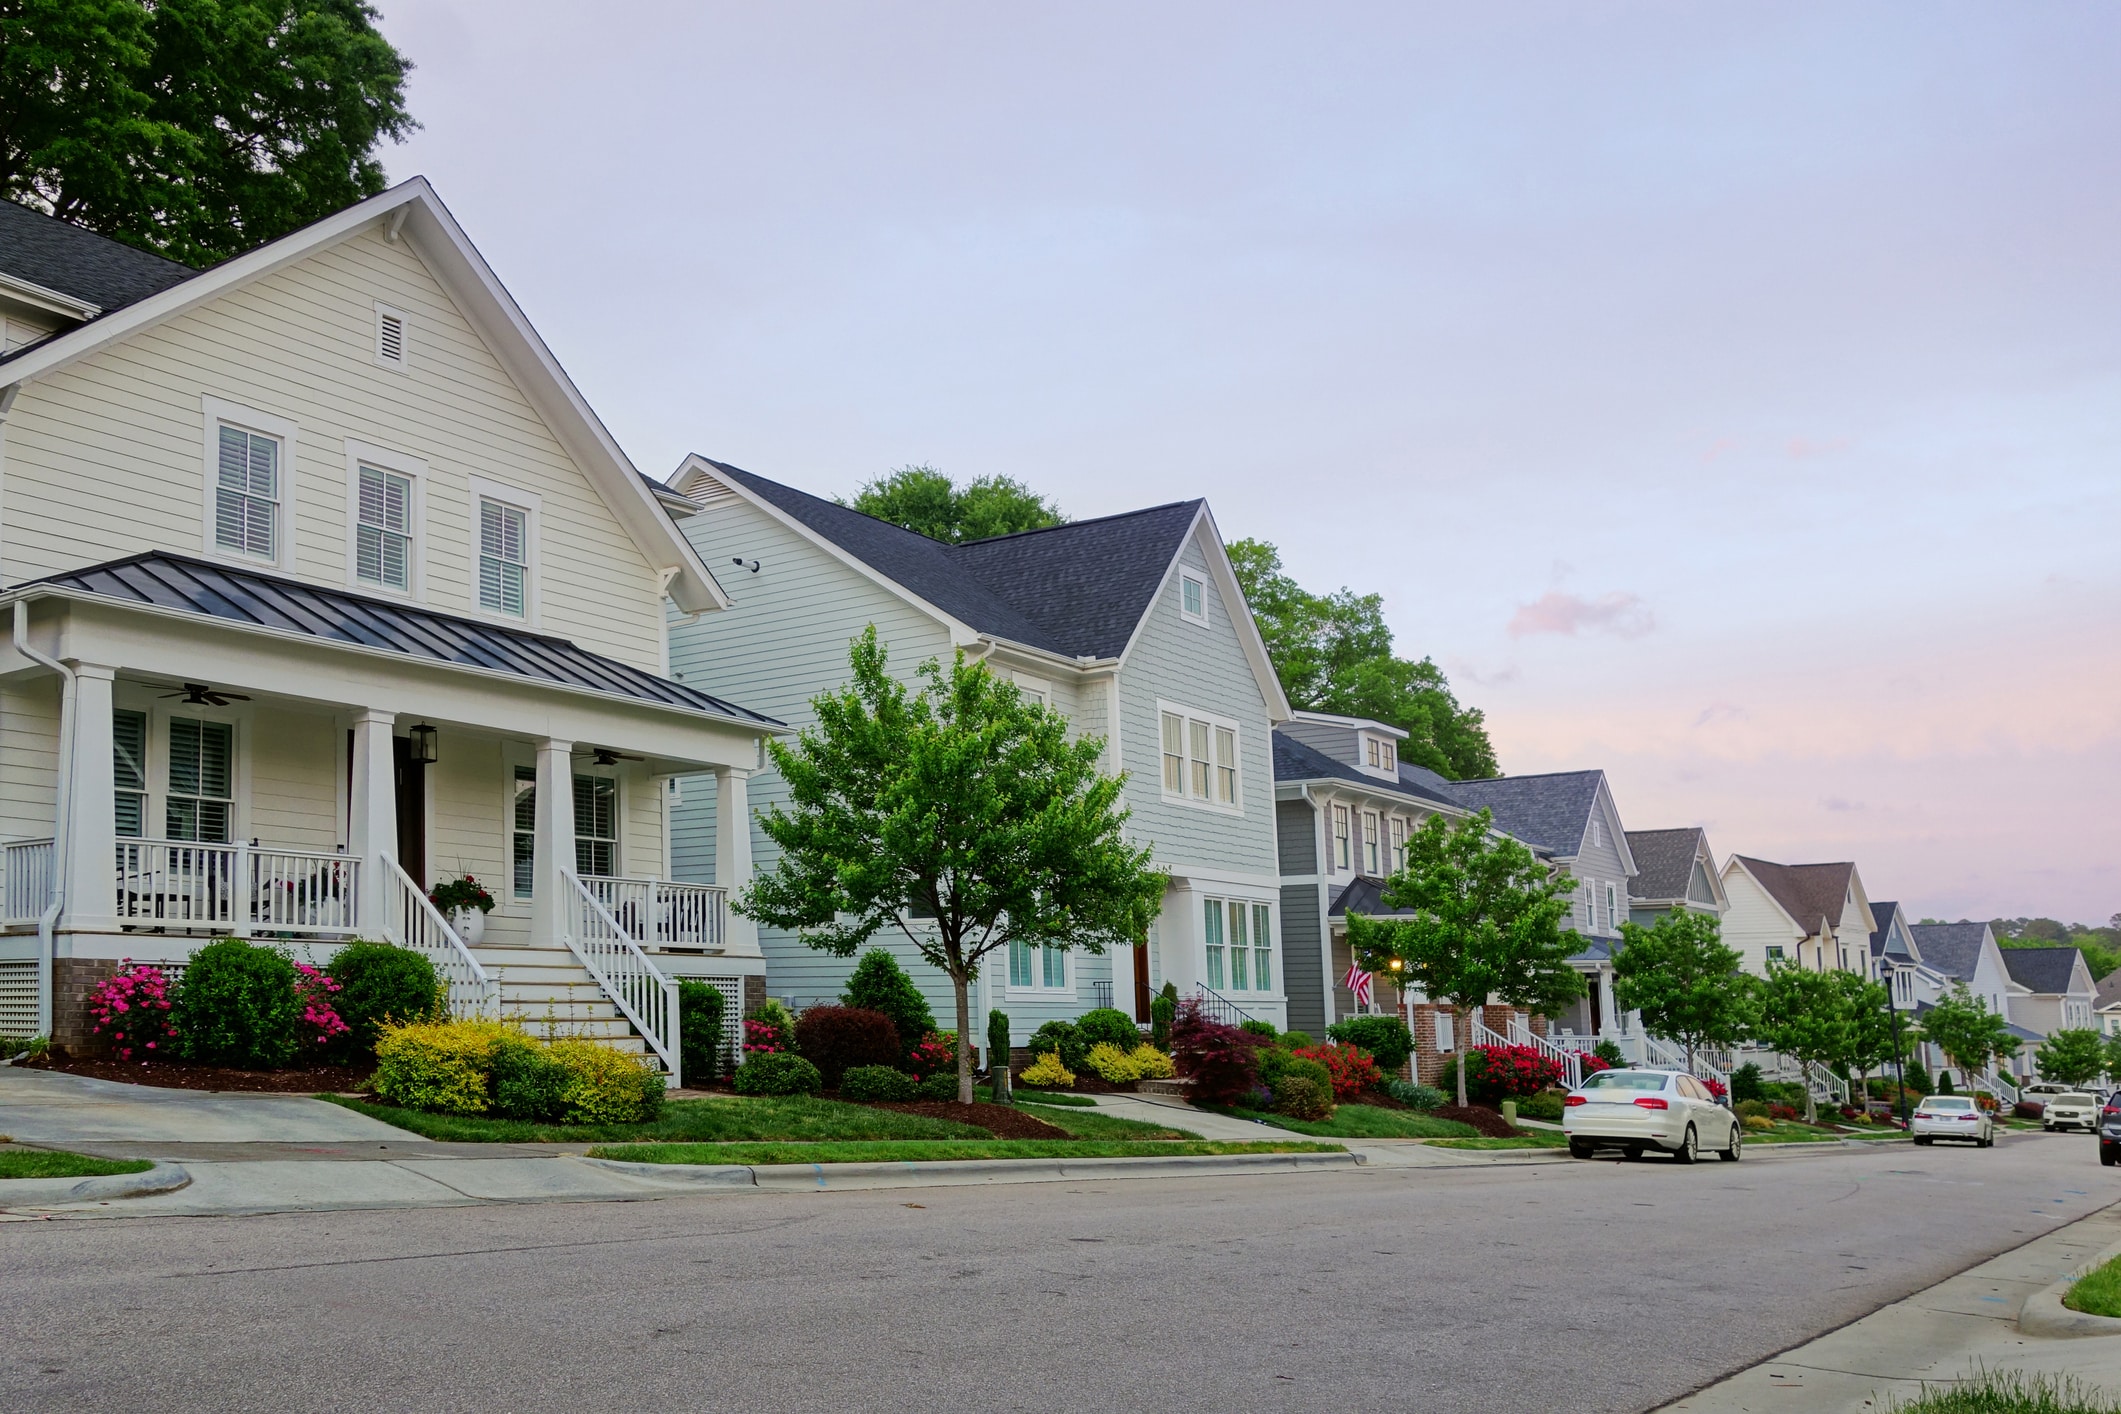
(73, 980)
(754, 993)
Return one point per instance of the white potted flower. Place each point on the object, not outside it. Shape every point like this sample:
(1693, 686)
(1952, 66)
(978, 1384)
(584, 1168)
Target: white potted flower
(465, 903)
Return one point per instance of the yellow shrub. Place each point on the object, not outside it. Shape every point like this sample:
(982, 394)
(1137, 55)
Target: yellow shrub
(1112, 1063)
(439, 1065)
(606, 1086)
(1759, 1122)
(1048, 1070)
(1151, 1064)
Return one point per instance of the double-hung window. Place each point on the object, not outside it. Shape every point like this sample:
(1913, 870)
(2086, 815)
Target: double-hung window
(1200, 758)
(383, 528)
(1372, 843)
(1343, 847)
(1399, 845)
(1239, 938)
(523, 830)
(247, 492)
(129, 771)
(1192, 597)
(596, 826)
(1612, 907)
(201, 780)
(1262, 948)
(1042, 969)
(504, 558)
(1211, 919)
(1391, 755)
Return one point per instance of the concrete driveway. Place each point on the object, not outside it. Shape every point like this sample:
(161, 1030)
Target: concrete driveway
(45, 1107)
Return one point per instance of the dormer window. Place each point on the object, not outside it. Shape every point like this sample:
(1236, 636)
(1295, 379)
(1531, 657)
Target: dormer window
(1390, 753)
(1192, 597)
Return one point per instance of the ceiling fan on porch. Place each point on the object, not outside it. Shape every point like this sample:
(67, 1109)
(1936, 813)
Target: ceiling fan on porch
(605, 756)
(199, 694)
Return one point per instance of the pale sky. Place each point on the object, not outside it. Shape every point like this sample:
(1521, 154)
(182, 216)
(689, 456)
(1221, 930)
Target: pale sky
(1725, 396)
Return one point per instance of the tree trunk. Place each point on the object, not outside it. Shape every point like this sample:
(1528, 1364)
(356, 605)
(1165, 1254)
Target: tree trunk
(1460, 1042)
(964, 1035)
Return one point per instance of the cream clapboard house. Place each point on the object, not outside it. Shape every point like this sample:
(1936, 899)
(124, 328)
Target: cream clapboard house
(1815, 915)
(301, 557)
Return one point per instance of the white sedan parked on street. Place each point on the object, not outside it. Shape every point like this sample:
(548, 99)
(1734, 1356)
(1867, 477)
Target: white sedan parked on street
(1638, 1110)
(1952, 1117)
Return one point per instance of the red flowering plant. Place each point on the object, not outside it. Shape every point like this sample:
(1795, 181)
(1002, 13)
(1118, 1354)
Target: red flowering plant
(1498, 1073)
(934, 1055)
(761, 1037)
(320, 1023)
(1717, 1088)
(1592, 1062)
(131, 1011)
(1221, 1061)
(1353, 1069)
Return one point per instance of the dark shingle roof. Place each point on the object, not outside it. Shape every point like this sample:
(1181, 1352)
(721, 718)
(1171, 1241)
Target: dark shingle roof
(1428, 784)
(1077, 589)
(1884, 913)
(1951, 948)
(1364, 895)
(1807, 892)
(2046, 970)
(1550, 811)
(1664, 862)
(249, 598)
(91, 268)
(1294, 761)
(2109, 990)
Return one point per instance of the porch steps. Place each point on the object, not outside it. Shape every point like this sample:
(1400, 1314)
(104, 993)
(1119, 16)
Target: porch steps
(552, 995)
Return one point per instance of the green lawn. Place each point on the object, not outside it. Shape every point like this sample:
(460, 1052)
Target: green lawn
(1365, 1122)
(1795, 1132)
(56, 1163)
(2098, 1291)
(933, 1151)
(2008, 1392)
(1090, 1124)
(1038, 1097)
(1529, 1139)
(717, 1120)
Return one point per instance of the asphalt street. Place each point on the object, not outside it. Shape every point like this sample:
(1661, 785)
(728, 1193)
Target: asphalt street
(1590, 1286)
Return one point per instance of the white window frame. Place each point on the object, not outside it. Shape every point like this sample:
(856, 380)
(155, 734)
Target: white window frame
(1391, 755)
(401, 363)
(1612, 909)
(413, 469)
(1038, 690)
(528, 502)
(1249, 910)
(1189, 718)
(1446, 1034)
(1038, 989)
(215, 411)
(1340, 840)
(1401, 828)
(1373, 843)
(1198, 581)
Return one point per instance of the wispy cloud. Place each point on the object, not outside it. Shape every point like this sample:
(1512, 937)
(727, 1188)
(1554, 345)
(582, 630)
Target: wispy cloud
(1840, 806)
(1556, 611)
(1720, 712)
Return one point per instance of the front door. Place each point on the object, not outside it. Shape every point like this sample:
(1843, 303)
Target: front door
(1141, 981)
(412, 810)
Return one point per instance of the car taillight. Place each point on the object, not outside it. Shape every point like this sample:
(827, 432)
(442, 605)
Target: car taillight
(1575, 1100)
(1652, 1102)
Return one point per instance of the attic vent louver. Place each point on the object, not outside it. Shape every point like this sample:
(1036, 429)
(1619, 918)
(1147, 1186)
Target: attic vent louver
(390, 337)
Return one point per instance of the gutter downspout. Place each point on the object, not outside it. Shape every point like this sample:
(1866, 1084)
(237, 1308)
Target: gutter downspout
(62, 813)
(7, 405)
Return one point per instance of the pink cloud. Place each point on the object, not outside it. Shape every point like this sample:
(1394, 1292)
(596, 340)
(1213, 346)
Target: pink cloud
(1622, 615)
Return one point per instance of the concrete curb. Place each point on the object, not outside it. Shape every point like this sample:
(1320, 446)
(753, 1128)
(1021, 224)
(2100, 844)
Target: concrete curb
(787, 1178)
(2044, 1313)
(691, 1175)
(47, 1192)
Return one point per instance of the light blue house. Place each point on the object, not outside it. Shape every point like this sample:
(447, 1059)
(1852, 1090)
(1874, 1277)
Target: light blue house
(1133, 626)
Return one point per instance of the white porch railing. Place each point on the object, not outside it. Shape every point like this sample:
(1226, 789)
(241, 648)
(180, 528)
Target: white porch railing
(642, 994)
(1522, 1034)
(26, 875)
(237, 888)
(1993, 1082)
(411, 920)
(658, 913)
(1482, 1033)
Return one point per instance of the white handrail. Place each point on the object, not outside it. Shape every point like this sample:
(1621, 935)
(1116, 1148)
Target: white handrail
(237, 888)
(1570, 1062)
(661, 913)
(642, 994)
(413, 922)
(1484, 1034)
(28, 879)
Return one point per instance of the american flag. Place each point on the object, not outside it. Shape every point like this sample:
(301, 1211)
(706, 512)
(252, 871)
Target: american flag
(1358, 982)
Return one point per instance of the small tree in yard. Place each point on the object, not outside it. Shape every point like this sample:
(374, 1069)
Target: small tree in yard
(1963, 1027)
(1486, 924)
(961, 815)
(1683, 980)
(1868, 1014)
(1804, 1015)
(2073, 1057)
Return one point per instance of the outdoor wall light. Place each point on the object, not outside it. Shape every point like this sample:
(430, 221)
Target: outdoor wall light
(1396, 964)
(425, 744)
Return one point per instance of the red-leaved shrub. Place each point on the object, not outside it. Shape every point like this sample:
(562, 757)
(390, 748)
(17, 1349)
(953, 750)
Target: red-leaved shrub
(1221, 1061)
(835, 1039)
(1353, 1069)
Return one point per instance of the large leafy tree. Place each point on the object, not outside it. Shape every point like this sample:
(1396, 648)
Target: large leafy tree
(957, 813)
(1486, 923)
(2073, 1057)
(1804, 1015)
(923, 499)
(1333, 653)
(195, 128)
(1683, 980)
(1868, 1011)
(1962, 1026)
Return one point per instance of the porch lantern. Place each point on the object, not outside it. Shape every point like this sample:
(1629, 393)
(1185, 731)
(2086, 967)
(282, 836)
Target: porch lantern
(425, 745)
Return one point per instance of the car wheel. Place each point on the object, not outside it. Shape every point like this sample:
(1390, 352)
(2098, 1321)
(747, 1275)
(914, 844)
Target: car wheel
(1923, 1139)
(2107, 1160)
(1580, 1149)
(1685, 1155)
(1633, 1151)
(1730, 1155)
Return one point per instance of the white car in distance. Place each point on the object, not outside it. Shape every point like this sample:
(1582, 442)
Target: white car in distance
(1952, 1117)
(2071, 1110)
(1635, 1111)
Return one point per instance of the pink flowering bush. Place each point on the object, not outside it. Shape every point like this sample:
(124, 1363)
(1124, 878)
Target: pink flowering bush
(320, 1024)
(131, 1011)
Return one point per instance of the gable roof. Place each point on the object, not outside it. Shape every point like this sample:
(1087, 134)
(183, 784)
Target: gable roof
(1807, 892)
(90, 269)
(1364, 895)
(1882, 939)
(1951, 948)
(2045, 970)
(1664, 861)
(2108, 992)
(1296, 761)
(269, 602)
(1550, 811)
(410, 211)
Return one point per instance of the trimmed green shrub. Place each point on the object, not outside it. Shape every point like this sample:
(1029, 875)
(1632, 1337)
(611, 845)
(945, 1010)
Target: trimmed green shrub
(940, 1086)
(879, 1082)
(379, 982)
(878, 983)
(1065, 1038)
(777, 1073)
(1918, 1079)
(1750, 1109)
(1747, 1084)
(237, 1006)
(1163, 1011)
(1301, 1097)
(1386, 1038)
(605, 1086)
(1295, 1041)
(835, 1038)
(1546, 1105)
(1109, 1025)
(1265, 1030)
(527, 1080)
(444, 1067)
(1416, 1097)
(1609, 1052)
(997, 1040)
(701, 1007)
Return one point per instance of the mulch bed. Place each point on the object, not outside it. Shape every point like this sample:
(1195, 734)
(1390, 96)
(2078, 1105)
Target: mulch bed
(1003, 1121)
(1489, 1123)
(176, 1075)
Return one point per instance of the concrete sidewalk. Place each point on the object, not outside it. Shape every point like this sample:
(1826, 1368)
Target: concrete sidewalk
(61, 1111)
(1936, 1337)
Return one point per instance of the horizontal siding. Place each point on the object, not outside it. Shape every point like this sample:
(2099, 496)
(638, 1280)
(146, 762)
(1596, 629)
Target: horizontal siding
(105, 458)
(294, 790)
(1302, 958)
(1296, 834)
(29, 757)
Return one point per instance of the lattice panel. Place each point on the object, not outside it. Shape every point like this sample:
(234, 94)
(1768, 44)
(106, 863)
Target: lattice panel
(18, 998)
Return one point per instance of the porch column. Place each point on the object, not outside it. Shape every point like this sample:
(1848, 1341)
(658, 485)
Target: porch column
(554, 847)
(732, 850)
(1606, 1014)
(372, 813)
(92, 807)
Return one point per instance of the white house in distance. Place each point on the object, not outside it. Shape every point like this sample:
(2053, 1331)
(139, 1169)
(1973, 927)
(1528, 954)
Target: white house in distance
(1964, 953)
(2051, 989)
(1816, 915)
(301, 553)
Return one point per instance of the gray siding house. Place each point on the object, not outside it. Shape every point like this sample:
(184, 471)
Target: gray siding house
(1132, 626)
(1674, 869)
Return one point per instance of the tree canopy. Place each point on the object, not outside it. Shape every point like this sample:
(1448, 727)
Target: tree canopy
(1333, 653)
(1804, 1015)
(1683, 980)
(923, 499)
(1486, 922)
(960, 815)
(2072, 1057)
(195, 128)
(1962, 1026)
